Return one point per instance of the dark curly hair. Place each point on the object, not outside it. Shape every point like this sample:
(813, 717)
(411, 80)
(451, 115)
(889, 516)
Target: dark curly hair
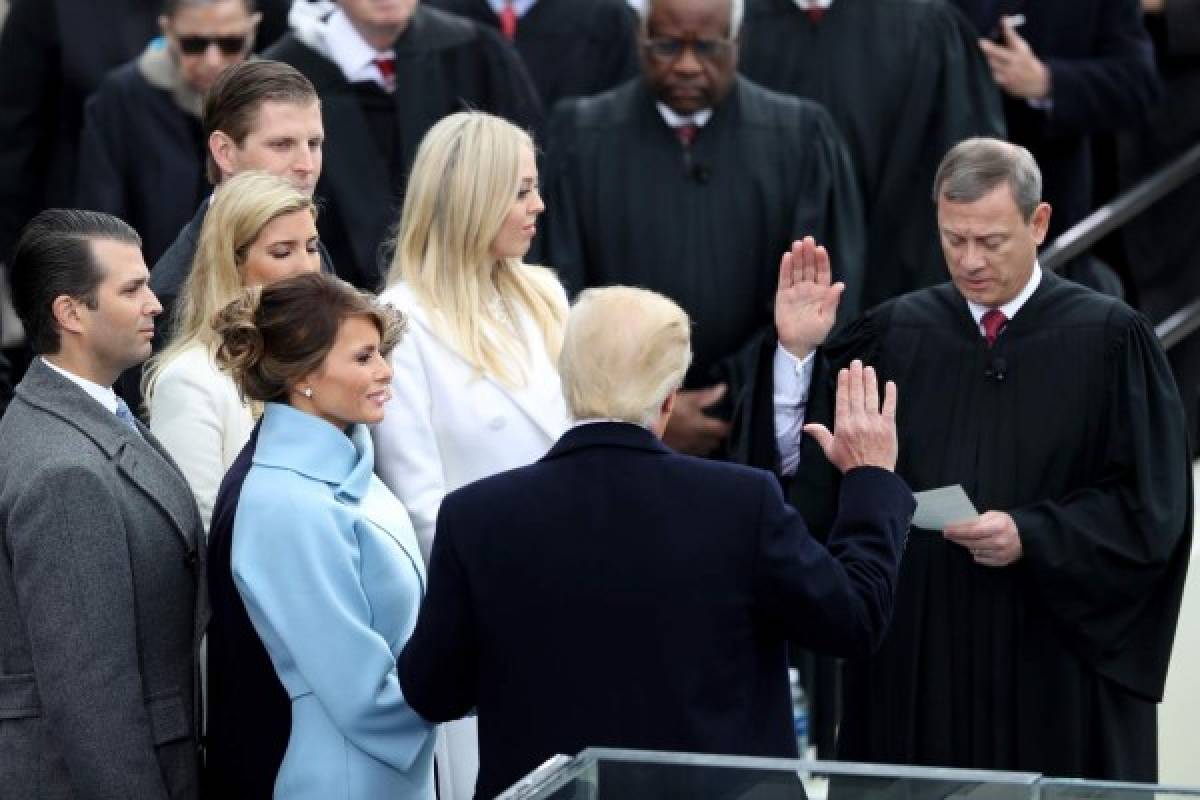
(272, 336)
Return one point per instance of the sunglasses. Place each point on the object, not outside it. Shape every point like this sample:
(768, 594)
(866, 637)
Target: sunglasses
(228, 45)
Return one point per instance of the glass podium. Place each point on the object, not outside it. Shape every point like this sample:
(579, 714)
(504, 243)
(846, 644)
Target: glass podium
(606, 774)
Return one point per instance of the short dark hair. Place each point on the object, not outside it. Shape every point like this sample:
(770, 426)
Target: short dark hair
(232, 104)
(274, 335)
(170, 7)
(54, 257)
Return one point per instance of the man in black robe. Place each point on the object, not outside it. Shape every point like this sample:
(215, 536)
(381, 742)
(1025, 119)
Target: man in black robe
(385, 73)
(689, 181)
(1037, 636)
(904, 81)
(573, 48)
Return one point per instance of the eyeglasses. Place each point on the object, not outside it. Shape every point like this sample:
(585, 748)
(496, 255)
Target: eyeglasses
(228, 45)
(668, 48)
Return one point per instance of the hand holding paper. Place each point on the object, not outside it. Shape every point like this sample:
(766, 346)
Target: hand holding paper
(992, 539)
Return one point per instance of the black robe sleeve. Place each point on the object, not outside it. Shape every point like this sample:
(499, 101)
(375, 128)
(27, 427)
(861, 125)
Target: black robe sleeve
(510, 91)
(1109, 560)
(1115, 85)
(561, 237)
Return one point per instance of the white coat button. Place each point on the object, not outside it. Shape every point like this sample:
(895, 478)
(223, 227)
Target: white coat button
(496, 423)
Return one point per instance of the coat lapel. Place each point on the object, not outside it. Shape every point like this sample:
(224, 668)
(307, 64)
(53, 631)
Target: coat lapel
(531, 398)
(143, 462)
(161, 485)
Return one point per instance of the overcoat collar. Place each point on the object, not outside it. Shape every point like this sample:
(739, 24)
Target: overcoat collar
(142, 459)
(298, 441)
(607, 434)
(302, 443)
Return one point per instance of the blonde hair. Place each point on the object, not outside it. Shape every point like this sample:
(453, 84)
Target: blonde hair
(462, 186)
(241, 208)
(623, 352)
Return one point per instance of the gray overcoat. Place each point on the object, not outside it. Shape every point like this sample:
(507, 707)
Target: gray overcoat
(102, 603)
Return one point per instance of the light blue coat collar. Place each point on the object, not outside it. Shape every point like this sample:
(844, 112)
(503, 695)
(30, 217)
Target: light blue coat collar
(309, 445)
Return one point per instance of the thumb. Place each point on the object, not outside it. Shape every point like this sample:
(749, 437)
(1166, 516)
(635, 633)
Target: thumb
(710, 395)
(822, 435)
(832, 298)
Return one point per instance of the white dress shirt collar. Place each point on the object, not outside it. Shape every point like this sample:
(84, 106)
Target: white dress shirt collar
(673, 120)
(812, 5)
(350, 51)
(520, 6)
(104, 395)
(1010, 308)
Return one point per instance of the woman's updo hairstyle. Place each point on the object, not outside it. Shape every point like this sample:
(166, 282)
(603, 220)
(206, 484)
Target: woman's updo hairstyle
(272, 336)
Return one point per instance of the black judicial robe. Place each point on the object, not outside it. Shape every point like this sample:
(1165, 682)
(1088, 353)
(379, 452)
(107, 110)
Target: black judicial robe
(444, 64)
(572, 48)
(627, 204)
(1052, 664)
(904, 80)
(141, 158)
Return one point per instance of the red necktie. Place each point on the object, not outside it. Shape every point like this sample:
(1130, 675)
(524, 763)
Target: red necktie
(993, 322)
(387, 68)
(686, 133)
(815, 13)
(508, 21)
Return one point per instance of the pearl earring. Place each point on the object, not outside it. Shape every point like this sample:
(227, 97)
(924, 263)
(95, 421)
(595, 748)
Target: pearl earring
(308, 391)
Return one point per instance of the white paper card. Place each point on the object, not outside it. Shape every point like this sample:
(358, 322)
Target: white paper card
(937, 508)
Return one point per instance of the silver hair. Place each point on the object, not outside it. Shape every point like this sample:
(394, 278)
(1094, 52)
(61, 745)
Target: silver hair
(974, 167)
(737, 12)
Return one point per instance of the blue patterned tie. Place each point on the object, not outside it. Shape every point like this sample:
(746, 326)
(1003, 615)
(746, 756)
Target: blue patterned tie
(126, 416)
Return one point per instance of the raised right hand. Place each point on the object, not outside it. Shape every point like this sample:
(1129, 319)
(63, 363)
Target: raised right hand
(864, 435)
(806, 298)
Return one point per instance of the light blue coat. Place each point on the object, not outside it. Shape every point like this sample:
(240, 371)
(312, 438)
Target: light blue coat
(326, 561)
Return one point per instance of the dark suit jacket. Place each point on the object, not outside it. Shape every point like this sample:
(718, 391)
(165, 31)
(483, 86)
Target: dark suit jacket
(141, 158)
(249, 712)
(53, 54)
(102, 603)
(444, 64)
(1103, 75)
(619, 594)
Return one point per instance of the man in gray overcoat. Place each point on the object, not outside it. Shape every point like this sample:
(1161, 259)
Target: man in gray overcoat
(102, 598)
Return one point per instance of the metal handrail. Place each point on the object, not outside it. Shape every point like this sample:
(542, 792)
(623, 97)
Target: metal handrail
(1120, 210)
(1112, 215)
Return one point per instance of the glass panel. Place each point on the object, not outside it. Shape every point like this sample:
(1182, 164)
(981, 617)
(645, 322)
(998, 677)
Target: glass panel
(599, 774)
(1063, 789)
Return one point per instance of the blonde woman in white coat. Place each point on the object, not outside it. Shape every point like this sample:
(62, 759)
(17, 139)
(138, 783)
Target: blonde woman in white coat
(259, 229)
(475, 387)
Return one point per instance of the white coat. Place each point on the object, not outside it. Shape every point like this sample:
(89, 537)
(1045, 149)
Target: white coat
(445, 427)
(200, 419)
